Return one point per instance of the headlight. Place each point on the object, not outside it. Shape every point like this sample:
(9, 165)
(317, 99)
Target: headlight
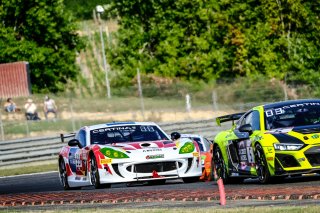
(187, 148)
(287, 146)
(111, 153)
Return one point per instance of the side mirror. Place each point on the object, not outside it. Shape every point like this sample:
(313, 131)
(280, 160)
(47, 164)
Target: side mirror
(246, 128)
(74, 142)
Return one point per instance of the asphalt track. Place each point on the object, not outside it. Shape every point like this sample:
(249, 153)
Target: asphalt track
(43, 191)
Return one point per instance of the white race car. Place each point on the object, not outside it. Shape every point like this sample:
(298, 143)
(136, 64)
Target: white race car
(124, 152)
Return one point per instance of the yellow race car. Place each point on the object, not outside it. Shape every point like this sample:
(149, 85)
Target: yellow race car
(269, 141)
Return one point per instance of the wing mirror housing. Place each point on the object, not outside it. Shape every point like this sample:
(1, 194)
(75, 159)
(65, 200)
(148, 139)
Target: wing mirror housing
(246, 128)
(75, 142)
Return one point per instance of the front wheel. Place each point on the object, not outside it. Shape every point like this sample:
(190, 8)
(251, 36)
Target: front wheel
(261, 165)
(94, 175)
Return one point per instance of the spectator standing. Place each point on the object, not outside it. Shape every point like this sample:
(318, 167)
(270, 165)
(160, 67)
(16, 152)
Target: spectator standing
(49, 106)
(31, 110)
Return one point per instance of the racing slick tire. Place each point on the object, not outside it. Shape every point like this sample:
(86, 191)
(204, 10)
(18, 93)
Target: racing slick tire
(94, 174)
(63, 175)
(221, 169)
(190, 179)
(261, 165)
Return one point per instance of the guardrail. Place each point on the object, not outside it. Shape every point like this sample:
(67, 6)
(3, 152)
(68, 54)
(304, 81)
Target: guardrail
(19, 152)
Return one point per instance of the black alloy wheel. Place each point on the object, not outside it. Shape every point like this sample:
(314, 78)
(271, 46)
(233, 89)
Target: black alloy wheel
(261, 165)
(219, 165)
(63, 175)
(94, 175)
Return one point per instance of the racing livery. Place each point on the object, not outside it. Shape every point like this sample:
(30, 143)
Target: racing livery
(120, 152)
(270, 141)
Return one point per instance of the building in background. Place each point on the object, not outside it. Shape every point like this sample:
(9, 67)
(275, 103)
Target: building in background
(15, 80)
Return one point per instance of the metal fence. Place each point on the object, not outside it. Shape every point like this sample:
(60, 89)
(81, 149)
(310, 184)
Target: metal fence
(71, 120)
(44, 150)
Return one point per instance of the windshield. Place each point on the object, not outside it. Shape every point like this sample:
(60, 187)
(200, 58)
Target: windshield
(292, 115)
(121, 134)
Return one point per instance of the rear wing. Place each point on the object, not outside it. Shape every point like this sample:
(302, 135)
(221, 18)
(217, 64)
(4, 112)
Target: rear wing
(65, 136)
(231, 117)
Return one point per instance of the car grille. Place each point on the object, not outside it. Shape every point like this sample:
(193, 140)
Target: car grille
(116, 169)
(313, 155)
(157, 166)
(287, 160)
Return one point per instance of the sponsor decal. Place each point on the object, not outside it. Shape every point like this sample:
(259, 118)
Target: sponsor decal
(315, 136)
(228, 136)
(269, 158)
(301, 159)
(195, 154)
(281, 110)
(149, 157)
(257, 138)
(105, 161)
(152, 150)
(270, 150)
(110, 129)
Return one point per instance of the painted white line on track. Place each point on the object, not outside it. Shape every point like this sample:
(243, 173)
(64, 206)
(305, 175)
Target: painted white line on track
(39, 173)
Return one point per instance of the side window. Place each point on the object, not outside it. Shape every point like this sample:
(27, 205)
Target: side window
(246, 120)
(207, 144)
(82, 137)
(253, 119)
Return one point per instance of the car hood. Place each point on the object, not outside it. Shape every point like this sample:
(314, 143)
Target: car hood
(142, 145)
(297, 135)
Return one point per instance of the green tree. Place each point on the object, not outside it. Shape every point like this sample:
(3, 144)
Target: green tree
(83, 9)
(213, 39)
(42, 33)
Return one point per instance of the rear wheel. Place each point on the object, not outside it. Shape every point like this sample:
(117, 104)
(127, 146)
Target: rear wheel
(221, 168)
(94, 174)
(63, 175)
(261, 165)
(219, 165)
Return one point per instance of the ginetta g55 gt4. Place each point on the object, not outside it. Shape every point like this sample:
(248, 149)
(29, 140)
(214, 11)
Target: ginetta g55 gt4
(269, 141)
(123, 152)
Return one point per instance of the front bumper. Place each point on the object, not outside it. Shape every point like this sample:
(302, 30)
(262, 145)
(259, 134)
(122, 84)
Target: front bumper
(144, 171)
(304, 161)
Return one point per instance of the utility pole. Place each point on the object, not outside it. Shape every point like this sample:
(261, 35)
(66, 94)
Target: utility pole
(100, 10)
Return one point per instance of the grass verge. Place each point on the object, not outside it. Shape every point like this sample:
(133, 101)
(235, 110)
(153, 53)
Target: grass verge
(28, 170)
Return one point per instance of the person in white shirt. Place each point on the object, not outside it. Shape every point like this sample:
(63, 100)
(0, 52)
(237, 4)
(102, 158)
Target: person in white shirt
(31, 110)
(49, 106)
